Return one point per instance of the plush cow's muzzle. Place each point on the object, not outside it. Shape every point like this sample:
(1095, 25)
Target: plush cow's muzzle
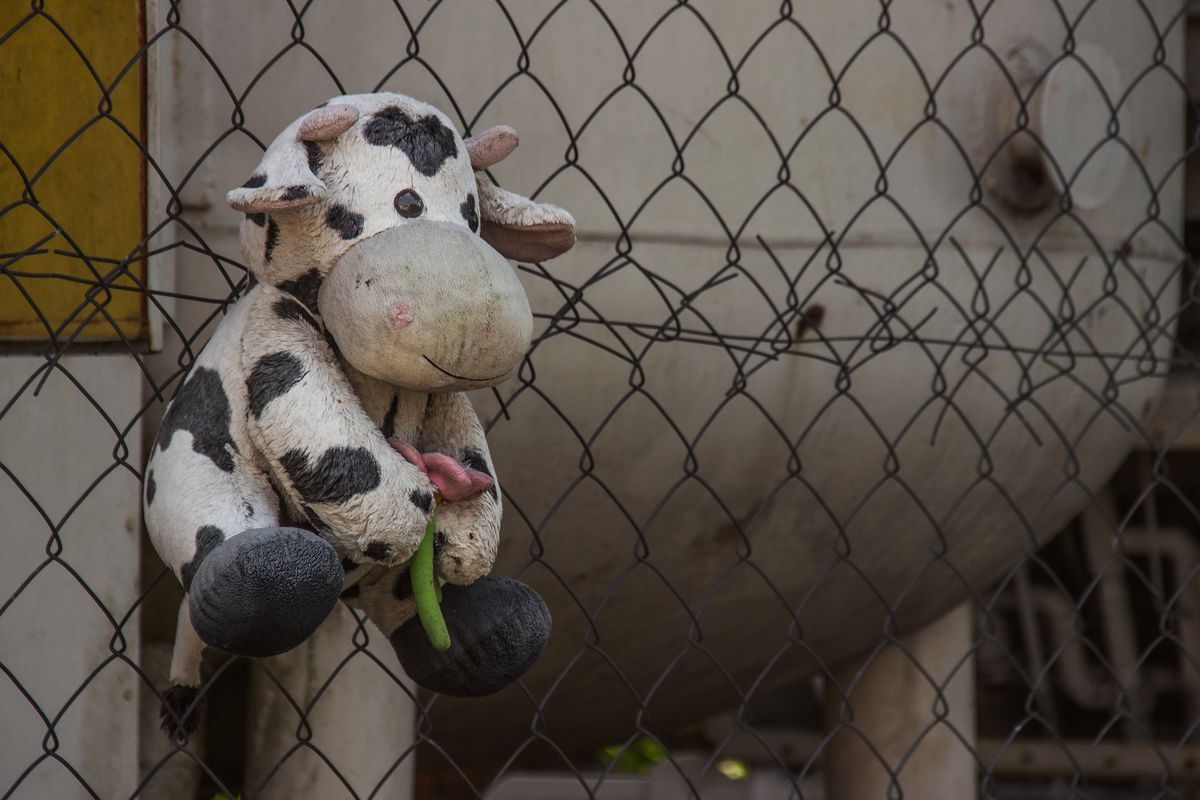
(428, 306)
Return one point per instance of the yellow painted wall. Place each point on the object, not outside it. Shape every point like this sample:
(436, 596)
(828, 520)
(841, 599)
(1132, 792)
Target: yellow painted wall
(93, 191)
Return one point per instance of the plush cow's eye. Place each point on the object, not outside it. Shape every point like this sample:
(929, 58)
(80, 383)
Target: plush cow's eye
(408, 204)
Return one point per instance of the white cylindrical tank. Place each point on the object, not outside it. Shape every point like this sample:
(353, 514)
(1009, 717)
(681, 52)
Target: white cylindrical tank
(810, 379)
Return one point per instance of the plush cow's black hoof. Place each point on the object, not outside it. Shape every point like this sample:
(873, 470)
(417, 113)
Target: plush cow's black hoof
(498, 628)
(264, 591)
(180, 712)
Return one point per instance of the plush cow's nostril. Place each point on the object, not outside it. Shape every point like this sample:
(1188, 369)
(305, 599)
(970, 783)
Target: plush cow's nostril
(400, 313)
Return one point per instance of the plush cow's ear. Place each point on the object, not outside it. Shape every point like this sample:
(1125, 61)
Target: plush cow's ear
(327, 123)
(519, 228)
(491, 147)
(285, 178)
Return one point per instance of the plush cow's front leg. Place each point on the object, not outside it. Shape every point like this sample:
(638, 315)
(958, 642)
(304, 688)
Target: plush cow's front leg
(498, 626)
(468, 532)
(331, 459)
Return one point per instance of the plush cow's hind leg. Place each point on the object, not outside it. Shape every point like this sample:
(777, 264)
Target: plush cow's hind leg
(264, 591)
(498, 627)
(253, 587)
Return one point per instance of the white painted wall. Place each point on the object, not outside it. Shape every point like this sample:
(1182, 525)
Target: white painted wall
(58, 614)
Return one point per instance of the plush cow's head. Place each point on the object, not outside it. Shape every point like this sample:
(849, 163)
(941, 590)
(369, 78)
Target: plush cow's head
(369, 211)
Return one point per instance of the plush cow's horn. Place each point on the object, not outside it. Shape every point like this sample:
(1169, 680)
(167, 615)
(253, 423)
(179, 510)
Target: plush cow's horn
(327, 123)
(491, 147)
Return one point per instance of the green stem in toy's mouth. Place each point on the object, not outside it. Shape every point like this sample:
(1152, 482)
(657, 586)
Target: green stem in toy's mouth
(426, 592)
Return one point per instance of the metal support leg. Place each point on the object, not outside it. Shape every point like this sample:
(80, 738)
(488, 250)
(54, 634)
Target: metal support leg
(904, 723)
(360, 720)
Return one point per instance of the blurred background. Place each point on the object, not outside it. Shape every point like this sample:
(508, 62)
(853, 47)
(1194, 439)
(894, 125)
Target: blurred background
(856, 454)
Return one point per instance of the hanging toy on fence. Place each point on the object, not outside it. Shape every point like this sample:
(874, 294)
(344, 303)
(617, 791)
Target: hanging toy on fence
(321, 446)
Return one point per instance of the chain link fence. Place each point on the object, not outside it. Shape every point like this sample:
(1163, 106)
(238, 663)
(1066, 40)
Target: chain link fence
(882, 315)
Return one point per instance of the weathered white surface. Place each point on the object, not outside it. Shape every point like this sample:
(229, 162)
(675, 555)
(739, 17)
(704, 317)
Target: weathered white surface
(357, 717)
(55, 630)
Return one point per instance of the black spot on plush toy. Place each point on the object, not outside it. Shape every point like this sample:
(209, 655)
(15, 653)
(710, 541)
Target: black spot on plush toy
(321, 447)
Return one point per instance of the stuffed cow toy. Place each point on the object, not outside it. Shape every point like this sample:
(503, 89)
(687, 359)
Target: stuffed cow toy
(304, 455)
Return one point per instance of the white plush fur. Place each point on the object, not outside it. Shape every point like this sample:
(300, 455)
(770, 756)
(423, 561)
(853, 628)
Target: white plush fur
(331, 404)
(191, 492)
(359, 177)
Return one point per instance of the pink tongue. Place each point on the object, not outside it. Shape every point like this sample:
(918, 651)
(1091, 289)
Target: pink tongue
(411, 454)
(454, 482)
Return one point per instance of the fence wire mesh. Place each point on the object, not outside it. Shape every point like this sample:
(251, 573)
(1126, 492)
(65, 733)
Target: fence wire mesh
(879, 310)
